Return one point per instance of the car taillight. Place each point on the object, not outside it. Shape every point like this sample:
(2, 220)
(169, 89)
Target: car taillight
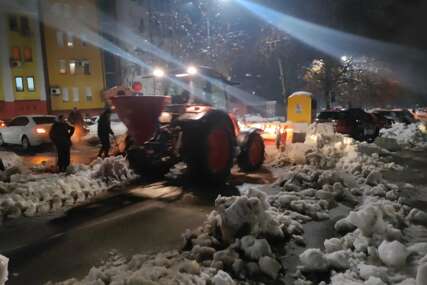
(40, 131)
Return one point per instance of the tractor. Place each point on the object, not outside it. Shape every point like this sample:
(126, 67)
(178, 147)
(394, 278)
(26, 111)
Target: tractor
(189, 122)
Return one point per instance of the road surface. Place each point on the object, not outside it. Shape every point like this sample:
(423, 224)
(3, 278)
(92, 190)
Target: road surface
(145, 219)
(141, 219)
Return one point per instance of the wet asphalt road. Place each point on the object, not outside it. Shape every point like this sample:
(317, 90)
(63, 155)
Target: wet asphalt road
(143, 218)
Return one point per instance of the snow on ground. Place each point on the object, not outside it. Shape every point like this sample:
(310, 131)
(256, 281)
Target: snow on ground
(412, 135)
(242, 238)
(3, 269)
(10, 159)
(31, 194)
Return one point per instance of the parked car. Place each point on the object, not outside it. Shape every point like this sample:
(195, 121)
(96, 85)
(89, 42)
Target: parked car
(27, 131)
(397, 115)
(381, 121)
(353, 122)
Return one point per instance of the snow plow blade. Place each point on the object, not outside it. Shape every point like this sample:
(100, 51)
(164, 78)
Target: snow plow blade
(140, 114)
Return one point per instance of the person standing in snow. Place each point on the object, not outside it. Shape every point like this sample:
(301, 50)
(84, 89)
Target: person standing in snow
(104, 132)
(61, 134)
(75, 118)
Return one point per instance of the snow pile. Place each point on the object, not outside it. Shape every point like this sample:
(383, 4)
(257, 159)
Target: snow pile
(374, 251)
(38, 194)
(12, 163)
(10, 159)
(234, 241)
(165, 268)
(3, 269)
(407, 135)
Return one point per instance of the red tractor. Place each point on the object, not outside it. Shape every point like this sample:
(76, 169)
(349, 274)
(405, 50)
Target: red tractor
(188, 123)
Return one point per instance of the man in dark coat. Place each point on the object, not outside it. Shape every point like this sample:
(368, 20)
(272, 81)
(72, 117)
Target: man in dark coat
(104, 132)
(60, 134)
(75, 118)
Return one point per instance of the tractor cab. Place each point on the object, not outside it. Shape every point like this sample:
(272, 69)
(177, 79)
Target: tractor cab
(201, 86)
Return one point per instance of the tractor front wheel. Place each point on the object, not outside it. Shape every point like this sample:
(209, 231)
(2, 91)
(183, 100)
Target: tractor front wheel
(252, 150)
(212, 155)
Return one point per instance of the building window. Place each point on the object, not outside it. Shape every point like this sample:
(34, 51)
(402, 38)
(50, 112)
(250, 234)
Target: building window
(25, 26)
(76, 94)
(62, 66)
(72, 65)
(70, 40)
(13, 23)
(16, 53)
(60, 38)
(65, 97)
(30, 84)
(19, 84)
(86, 67)
(88, 94)
(28, 54)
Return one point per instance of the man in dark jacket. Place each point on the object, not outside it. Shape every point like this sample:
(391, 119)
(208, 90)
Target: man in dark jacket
(104, 132)
(75, 118)
(60, 134)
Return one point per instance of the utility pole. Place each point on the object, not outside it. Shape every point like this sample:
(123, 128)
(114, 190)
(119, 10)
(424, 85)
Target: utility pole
(282, 79)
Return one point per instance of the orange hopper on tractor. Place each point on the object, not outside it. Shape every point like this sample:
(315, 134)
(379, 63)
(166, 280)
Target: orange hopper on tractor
(190, 124)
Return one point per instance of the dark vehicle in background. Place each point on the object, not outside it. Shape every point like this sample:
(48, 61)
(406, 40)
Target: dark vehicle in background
(353, 122)
(381, 121)
(396, 115)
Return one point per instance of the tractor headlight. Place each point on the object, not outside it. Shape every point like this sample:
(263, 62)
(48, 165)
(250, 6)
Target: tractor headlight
(192, 70)
(158, 72)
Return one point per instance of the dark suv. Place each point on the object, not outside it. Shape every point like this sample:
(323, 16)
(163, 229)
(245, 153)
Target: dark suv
(353, 122)
(397, 115)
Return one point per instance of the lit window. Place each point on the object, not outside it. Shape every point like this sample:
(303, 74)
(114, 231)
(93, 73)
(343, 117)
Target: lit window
(65, 97)
(86, 67)
(62, 66)
(13, 23)
(28, 54)
(72, 65)
(16, 53)
(60, 38)
(30, 84)
(88, 93)
(19, 84)
(70, 40)
(76, 95)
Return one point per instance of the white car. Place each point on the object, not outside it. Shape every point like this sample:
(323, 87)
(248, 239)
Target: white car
(27, 131)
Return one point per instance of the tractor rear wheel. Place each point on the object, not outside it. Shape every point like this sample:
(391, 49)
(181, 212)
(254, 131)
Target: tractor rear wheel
(251, 155)
(212, 151)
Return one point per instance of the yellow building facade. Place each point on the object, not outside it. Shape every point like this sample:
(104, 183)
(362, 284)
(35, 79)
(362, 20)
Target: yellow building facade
(74, 67)
(22, 82)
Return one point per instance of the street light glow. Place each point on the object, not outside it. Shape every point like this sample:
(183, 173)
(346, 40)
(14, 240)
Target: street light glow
(192, 70)
(344, 58)
(158, 72)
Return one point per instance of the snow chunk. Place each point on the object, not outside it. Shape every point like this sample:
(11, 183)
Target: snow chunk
(313, 259)
(393, 254)
(222, 278)
(422, 274)
(269, 266)
(339, 259)
(3, 269)
(369, 220)
(255, 248)
(367, 271)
